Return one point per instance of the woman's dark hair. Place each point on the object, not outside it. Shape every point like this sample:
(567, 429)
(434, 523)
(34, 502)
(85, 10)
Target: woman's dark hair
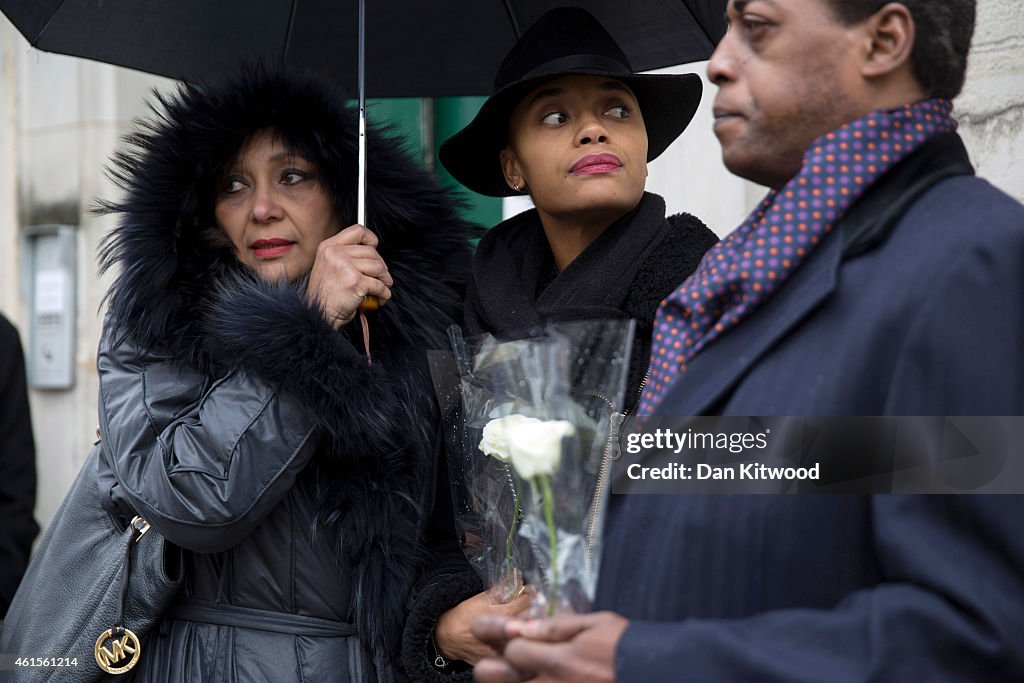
(943, 38)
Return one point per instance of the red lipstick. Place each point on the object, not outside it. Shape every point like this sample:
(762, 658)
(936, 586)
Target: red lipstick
(271, 248)
(596, 163)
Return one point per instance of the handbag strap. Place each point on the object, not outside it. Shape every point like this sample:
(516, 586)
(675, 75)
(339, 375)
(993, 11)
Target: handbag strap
(124, 646)
(139, 527)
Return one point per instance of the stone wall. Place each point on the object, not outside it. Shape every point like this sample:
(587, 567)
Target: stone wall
(991, 107)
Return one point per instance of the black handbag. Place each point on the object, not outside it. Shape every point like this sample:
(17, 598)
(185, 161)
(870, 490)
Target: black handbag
(94, 589)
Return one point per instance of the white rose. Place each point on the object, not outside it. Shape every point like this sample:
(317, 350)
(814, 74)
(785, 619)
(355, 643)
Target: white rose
(498, 353)
(536, 445)
(494, 441)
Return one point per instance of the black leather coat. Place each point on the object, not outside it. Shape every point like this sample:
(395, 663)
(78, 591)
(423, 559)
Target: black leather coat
(250, 432)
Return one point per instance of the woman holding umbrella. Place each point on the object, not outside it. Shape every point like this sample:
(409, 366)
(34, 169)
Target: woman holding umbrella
(572, 126)
(246, 423)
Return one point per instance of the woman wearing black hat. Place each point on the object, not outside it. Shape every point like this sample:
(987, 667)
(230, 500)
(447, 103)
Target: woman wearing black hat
(572, 126)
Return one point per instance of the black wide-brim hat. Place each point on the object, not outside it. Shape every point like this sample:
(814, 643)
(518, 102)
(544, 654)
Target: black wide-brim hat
(564, 41)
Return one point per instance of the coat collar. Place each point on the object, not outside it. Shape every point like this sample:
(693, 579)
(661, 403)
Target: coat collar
(714, 372)
(511, 263)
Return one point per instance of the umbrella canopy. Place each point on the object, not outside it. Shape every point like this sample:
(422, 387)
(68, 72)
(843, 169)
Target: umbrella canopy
(414, 49)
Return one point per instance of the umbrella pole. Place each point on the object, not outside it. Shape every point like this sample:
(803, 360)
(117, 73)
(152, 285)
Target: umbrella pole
(512, 19)
(370, 302)
(361, 189)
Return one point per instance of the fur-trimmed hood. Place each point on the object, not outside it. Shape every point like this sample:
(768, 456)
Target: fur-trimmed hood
(174, 159)
(179, 294)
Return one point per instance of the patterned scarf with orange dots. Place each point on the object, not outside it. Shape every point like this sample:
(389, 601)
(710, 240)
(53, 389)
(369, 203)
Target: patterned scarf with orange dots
(746, 268)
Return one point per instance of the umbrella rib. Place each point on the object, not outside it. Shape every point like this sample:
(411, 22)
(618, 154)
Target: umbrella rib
(288, 35)
(703, 29)
(512, 18)
(47, 24)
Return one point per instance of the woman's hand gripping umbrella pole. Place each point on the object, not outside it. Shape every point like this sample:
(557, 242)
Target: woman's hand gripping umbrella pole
(370, 303)
(349, 277)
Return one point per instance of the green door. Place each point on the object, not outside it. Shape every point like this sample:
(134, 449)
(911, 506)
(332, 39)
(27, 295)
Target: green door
(425, 124)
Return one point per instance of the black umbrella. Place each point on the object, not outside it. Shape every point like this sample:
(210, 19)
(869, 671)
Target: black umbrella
(414, 49)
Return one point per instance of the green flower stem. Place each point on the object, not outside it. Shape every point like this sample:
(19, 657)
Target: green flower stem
(549, 513)
(511, 533)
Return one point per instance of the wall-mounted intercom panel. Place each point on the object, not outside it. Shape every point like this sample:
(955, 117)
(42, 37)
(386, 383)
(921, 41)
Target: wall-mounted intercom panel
(49, 279)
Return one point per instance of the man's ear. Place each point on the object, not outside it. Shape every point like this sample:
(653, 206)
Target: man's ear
(891, 33)
(510, 168)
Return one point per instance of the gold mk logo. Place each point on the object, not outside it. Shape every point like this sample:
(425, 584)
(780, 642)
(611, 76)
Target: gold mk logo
(112, 659)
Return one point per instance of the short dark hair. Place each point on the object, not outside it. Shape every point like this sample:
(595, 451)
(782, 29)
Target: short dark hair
(944, 31)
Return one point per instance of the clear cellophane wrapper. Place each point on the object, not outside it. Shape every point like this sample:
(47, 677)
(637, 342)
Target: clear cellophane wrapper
(572, 371)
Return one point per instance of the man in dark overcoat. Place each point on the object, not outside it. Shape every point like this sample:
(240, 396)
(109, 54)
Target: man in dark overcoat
(879, 277)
